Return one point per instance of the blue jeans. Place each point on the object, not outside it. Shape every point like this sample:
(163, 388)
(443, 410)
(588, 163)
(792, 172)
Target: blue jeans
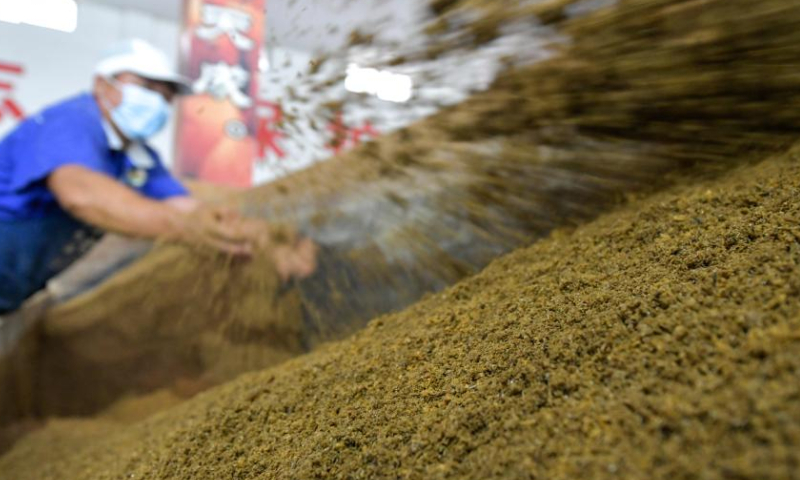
(34, 251)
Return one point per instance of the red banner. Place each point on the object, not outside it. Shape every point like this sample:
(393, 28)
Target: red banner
(217, 134)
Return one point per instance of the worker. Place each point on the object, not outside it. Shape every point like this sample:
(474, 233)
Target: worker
(82, 166)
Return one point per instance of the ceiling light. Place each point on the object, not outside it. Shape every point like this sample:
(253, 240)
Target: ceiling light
(392, 87)
(59, 15)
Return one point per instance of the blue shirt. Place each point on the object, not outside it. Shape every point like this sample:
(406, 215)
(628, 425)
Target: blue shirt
(70, 133)
(38, 239)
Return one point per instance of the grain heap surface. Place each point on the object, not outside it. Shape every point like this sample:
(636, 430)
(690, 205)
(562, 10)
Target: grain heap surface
(175, 320)
(660, 341)
(642, 94)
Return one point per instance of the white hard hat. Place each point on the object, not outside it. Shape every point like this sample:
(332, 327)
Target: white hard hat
(139, 57)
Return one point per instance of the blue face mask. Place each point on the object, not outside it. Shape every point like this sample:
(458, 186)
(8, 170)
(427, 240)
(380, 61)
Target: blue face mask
(142, 112)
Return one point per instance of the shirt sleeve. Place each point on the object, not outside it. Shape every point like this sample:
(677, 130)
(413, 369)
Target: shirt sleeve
(54, 141)
(160, 182)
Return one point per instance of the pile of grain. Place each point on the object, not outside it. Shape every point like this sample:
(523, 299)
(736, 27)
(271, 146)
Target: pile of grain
(647, 93)
(661, 341)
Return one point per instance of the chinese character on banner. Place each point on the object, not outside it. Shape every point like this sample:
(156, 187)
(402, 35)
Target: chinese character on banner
(340, 131)
(345, 137)
(9, 108)
(218, 20)
(367, 129)
(222, 81)
(219, 131)
(270, 116)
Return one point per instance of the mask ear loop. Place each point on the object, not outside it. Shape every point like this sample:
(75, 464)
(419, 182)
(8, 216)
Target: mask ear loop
(114, 83)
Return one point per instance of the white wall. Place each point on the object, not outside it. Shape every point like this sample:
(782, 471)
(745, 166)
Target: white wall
(307, 136)
(58, 65)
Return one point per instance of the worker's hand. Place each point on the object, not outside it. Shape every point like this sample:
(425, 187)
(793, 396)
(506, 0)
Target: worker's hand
(293, 256)
(229, 232)
(218, 228)
(296, 261)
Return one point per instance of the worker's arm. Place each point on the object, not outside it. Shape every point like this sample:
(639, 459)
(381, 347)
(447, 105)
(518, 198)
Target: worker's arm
(105, 203)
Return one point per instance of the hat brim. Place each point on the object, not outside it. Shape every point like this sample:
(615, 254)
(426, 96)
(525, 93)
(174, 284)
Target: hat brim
(182, 85)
